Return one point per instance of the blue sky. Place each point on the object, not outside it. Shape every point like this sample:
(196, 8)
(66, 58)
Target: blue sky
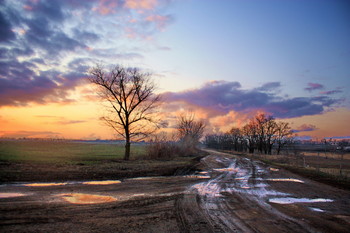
(223, 59)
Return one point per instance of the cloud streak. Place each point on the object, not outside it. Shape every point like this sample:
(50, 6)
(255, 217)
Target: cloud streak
(313, 86)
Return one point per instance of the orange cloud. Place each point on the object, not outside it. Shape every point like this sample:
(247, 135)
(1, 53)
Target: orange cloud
(223, 123)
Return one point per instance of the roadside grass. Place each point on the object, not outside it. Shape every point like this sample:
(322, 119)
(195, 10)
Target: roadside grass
(317, 175)
(312, 166)
(64, 152)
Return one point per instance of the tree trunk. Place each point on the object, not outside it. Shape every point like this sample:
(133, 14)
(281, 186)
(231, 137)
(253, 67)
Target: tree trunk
(127, 150)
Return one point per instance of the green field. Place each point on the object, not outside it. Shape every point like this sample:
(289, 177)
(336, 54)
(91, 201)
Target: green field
(64, 152)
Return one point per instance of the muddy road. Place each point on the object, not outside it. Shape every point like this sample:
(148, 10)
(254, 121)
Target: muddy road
(230, 194)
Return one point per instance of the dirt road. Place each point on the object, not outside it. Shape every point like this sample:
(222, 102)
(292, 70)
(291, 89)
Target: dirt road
(231, 194)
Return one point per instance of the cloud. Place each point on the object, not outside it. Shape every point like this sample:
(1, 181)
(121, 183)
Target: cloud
(270, 86)
(161, 21)
(47, 46)
(141, 4)
(221, 97)
(28, 134)
(69, 122)
(313, 86)
(338, 137)
(332, 92)
(6, 34)
(305, 128)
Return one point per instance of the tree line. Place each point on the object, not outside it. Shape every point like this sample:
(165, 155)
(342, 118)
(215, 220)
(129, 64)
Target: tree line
(131, 112)
(261, 134)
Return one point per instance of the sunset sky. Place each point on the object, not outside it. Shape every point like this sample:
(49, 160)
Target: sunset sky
(224, 60)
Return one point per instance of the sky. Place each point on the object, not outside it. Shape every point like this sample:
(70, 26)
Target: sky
(223, 60)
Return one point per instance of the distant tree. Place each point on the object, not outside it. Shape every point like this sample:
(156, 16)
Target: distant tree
(250, 133)
(236, 136)
(283, 135)
(131, 98)
(190, 131)
(213, 141)
(266, 128)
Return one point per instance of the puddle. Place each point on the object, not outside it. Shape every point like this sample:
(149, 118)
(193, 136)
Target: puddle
(44, 184)
(9, 195)
(146, 178)
(229, 169)
(198, 177)
(286, 180)
(316, 209)
(292, 200)
(203, 172)
(81, 198)
(104, 182)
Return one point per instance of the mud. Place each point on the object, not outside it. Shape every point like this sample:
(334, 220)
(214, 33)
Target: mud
(227, 194)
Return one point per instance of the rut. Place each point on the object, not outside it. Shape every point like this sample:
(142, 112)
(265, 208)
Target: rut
(232, 202)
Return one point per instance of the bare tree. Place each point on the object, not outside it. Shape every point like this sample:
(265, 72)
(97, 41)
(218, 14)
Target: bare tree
(131, 98)
(236, 136)
(190, 131)
(283, 135)
(251, 134)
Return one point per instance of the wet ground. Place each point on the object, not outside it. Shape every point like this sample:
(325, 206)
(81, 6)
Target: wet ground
(230, 194)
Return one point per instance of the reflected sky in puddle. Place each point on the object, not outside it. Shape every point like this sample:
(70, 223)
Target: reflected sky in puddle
(292, 200)
(9, 195)
(197, 176)
(82, 198)
(104, 182)
(228, 169)
(44, 184)
(286, 180)
(316, 209)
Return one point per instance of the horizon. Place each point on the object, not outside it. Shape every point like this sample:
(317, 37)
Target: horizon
(224, 61)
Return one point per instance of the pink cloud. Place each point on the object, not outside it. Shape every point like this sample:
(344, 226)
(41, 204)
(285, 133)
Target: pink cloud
(313, 86)
(305, 128)
(161, 21)
(106, 7)
(141, 4)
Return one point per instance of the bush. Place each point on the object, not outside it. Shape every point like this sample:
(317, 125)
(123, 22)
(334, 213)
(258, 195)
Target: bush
(164, 150)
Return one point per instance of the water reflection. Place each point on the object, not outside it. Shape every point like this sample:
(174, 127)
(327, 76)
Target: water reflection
(81, 198)
(104, 182)
(292, 200)
(286, 180)
(9, 195)
(316, 209)
(44, 184)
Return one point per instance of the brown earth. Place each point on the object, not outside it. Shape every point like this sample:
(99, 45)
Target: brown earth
(232, 194)
(107, 169)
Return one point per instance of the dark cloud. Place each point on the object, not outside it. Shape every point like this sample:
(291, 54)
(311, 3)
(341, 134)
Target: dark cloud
(57, 34)
(221, 96)
(270, 86)
(305, 128)
(313, 86)
(6, 34)
(20, 85)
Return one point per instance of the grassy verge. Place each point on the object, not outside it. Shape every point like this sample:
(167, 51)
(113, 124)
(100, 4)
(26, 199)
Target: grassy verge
(313, 174)
(47, 161)
(64, 152)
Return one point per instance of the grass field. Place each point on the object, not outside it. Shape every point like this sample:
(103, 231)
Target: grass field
(64, 152)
